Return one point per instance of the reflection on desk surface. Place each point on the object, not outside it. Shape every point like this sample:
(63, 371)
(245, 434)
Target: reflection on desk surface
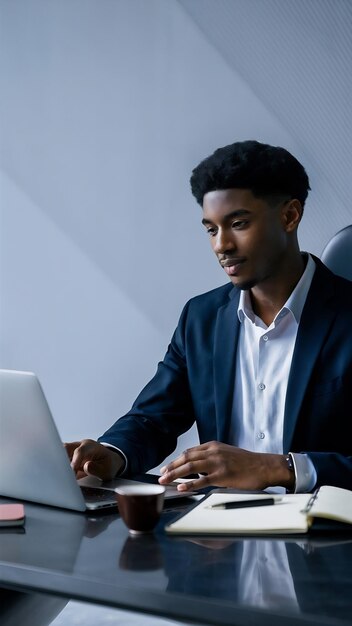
(300, 576)
(310, 577)
(51, 538)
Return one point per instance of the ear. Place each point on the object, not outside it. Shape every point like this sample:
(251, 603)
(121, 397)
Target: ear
(291, 215)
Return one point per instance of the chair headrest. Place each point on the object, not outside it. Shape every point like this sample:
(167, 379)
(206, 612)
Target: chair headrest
(337, 254)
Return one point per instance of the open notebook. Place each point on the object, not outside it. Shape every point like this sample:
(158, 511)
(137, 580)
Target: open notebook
(291, 513)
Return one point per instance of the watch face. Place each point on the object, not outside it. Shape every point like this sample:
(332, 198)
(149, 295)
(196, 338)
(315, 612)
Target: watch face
(290, 463)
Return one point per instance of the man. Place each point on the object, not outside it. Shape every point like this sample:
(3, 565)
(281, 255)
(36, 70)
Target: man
(263, 364)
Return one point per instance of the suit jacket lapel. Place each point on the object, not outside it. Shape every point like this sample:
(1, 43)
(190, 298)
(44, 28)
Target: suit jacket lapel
(225, 344)
(317, 317)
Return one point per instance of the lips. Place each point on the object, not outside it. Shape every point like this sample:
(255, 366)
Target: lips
(232, 266)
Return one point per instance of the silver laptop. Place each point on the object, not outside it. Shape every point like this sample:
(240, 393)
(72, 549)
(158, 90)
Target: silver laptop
(34, 465)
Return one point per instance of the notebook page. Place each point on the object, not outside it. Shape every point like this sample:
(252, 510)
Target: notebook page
(333, 503)
(285, 516)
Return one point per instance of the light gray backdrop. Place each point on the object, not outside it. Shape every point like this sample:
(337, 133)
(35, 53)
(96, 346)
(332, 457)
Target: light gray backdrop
(105, 108)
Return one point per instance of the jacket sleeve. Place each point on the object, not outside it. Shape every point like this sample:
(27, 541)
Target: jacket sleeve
(332, 469)
(163, 410)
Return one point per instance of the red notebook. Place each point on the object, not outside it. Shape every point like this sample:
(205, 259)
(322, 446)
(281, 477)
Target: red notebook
(11, 515)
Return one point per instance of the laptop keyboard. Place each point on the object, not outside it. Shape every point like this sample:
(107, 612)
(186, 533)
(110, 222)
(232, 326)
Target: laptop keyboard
(94, 494)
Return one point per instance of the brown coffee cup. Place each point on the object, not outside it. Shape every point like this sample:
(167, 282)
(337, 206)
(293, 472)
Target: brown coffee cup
(140, 506)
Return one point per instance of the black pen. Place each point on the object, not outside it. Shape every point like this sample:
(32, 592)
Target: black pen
(241, 504)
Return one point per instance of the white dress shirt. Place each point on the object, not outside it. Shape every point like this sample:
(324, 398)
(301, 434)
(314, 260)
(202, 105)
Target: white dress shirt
(263, 363)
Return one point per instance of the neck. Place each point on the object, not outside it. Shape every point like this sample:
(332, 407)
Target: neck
(267, 299)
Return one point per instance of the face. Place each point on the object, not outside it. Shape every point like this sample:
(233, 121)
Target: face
(251, 239)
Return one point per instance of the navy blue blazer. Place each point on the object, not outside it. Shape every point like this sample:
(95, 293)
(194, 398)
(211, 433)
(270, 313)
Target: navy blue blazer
(195, 382)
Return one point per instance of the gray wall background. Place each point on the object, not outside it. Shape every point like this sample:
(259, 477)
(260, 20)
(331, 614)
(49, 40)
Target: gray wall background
(105, 108)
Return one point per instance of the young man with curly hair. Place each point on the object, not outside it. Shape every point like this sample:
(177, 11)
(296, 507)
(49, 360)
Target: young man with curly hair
(263, 364)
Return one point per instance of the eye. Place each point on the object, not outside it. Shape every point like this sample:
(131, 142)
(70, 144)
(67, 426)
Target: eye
(239, 224)
(211, 231)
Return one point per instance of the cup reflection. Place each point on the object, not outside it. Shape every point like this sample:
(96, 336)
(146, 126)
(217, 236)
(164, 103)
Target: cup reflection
(141, 553)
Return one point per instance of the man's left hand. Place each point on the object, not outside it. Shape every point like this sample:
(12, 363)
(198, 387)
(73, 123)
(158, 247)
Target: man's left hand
(222, 465)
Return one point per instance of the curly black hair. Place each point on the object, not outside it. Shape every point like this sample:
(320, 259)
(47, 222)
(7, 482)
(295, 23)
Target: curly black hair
(267, 171)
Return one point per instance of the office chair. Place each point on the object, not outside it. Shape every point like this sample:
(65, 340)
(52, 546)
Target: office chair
(337, 254)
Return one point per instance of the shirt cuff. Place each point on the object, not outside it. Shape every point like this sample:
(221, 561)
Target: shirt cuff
(305, 473)
(109, 445)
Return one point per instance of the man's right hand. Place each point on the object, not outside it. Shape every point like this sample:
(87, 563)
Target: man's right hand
(90, 458)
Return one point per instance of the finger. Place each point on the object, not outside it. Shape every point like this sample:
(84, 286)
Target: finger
(78, 457)
(92, 468)
(199, 483)
(80, 474)
(188, 456)
(196, 452)
(70, 448)
(190, 467)
(173, 465)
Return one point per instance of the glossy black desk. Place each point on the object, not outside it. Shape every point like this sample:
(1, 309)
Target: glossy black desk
(71, 555)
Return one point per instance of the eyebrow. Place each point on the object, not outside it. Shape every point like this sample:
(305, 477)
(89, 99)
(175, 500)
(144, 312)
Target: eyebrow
(228, 216)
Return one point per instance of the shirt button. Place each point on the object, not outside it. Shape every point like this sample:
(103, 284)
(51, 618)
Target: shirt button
(261, 436)
(265, 337)
(261, 386)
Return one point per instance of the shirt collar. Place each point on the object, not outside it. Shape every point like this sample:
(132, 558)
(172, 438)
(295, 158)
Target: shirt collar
(294, 303)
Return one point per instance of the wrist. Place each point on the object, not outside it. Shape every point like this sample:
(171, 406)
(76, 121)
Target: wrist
(119, 462)
(280, 471)
(117, 458)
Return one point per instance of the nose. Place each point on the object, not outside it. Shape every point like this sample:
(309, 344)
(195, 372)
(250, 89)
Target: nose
(223, 242)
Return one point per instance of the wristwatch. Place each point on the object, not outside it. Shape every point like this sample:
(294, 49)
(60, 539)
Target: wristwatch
(291, 467)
